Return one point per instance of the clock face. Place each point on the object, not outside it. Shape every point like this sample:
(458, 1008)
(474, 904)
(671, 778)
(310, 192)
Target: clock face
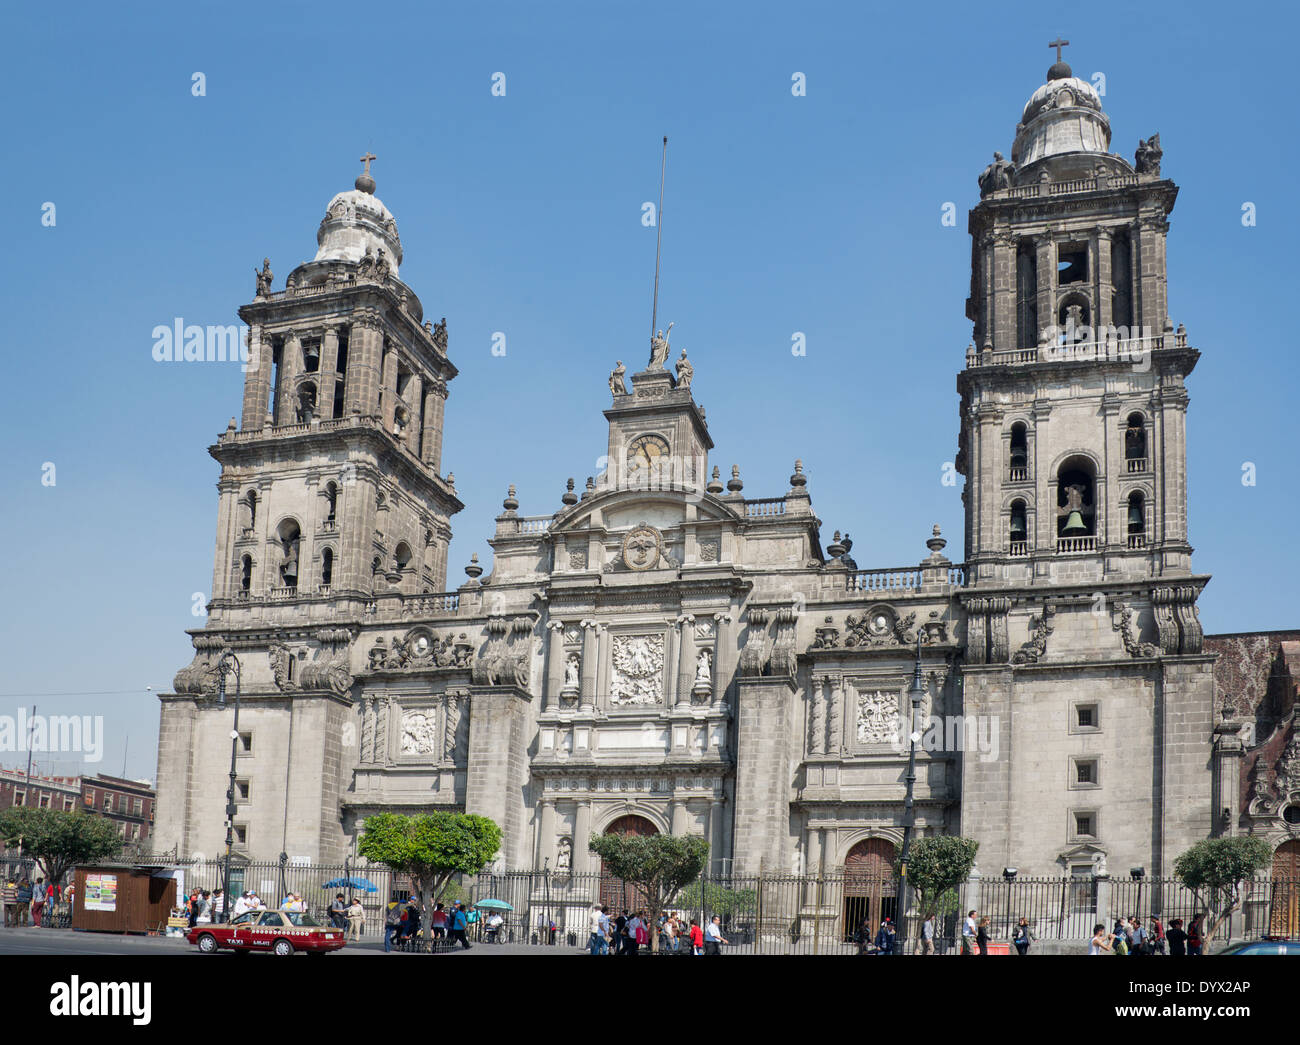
(645, 451)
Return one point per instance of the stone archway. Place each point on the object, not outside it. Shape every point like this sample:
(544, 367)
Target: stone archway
(1284, 907)
(617, 895)
(870, 887)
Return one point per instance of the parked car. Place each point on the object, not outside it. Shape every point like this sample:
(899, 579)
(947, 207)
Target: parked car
(279, 932)
(1264, 947)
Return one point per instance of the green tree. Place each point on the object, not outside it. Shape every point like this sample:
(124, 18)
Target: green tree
(58, 841)
(938, 865)
(659, 865)
(717, 899)
(1218, 870)
(430, 848)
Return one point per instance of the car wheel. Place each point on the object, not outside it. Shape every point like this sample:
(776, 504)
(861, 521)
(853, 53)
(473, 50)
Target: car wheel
(208, 944)
(283, 948)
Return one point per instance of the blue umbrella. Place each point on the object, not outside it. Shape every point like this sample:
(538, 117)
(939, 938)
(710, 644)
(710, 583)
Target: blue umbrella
(363, 884)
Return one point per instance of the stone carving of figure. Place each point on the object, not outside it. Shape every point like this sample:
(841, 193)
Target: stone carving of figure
(659, 348)
(703, 668)
(306, 405)
(366, 266)
(616, 383)
(571, 667)
(685, 372)
(264, 278)
(564, 855)
(997, 175)
(1147, 158)
(381, 267)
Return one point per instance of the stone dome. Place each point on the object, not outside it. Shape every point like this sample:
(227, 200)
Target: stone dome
(355, 221)
(1063, 116)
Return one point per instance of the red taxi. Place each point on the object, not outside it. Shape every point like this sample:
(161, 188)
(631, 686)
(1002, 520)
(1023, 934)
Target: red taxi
(279, 932)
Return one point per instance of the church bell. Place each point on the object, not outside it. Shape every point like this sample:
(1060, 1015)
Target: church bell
(1135, 520)
(1074, 526)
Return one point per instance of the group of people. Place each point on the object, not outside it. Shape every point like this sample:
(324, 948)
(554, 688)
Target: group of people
(402, 923)
(348, 914)
(23, 900)
(1130, 936)
(627, 933)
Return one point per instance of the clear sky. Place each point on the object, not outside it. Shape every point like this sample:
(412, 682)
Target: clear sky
(522, 214)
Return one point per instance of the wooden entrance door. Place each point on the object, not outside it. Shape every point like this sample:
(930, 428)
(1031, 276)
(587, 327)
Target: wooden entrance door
(616, 895)
(1284, 913)
(870, 888)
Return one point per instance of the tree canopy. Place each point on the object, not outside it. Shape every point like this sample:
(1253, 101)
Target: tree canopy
(938, 864)
(1217, 871)
(430, 848)
(659, 865)
(59, 840)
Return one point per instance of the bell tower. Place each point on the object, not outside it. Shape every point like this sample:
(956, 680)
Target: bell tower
(1073, 404)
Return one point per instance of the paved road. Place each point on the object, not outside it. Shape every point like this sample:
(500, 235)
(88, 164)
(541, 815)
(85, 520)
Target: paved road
(65, 941)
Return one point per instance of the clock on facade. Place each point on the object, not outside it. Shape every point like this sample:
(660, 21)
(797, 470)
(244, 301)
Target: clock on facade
(645, 451)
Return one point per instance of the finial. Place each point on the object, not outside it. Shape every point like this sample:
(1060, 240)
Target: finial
(511, 502)
(569, 496)
(590, 488)
(734, 485)
(715, 484)
(936, 544)
(364, 182)
(798, 480)
(1061, 70)
(474, 570)
(836, 548)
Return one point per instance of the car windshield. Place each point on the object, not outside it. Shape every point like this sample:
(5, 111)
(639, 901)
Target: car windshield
(301, 918)
(244, 919)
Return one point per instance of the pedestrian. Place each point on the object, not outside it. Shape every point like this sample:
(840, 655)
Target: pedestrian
(669, 941)
(866, 944)
(242, 906)
(338, 911)
(1141, 943)
(1194, 942)
(982, 935)
(620, 934)
(1157, 933)
(713, 938)
(356, 915)
(438, 922)
(968, 931)
(1022, 937)
(927, 934)
(70, 895)
(38, 901)
(205, 908)
(459, 923)
(632, 931)
(884, 942)
(10, 899)
(412, 928)
(393, 925)
(697, 937)
(218, 904)
(1177, 938)
(22, 907)
(192, 908)
(596, 942)
(1120, 936)
(1102, 941)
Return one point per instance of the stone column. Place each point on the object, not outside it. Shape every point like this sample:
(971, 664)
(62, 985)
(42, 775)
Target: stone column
(388, 400)
(677, 813)
(1046, 263)
(554, 666)
(1103, 281)
(415, 408)
(685, 659)
(327, 378)
(816, 718)
(290, 368)
(546, 833)
(435, 401)
(835, 739)
(724, 656)
(1004, 290)
(715, 834)
(582, 836)
(589, 648)
(365, 354)
(257, 381)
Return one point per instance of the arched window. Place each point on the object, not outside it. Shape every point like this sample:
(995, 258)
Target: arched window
(1135, 443)
(245, 573)
(289, 534)
(1019, 532)
(1136, 520)
(1019, 452)
(1076, 512)
(326, 567)
(402, 555)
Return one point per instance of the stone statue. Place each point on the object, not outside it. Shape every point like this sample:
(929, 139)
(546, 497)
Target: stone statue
(571, 666)
(264, 278)
(997, 175)
(1147, 158)
(366, 266)
(703, 668)
(381, 266)
(564, 855)
(616, 383)
(659, 348)
(685, 372)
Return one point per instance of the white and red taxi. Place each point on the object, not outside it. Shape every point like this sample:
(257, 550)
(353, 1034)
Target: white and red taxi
(278, 932)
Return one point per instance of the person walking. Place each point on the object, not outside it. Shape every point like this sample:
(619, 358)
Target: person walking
(1157, 934)
(356, 916)
(10, 899)
(192, 908)
(982, 935)
(459, 923)
(1177, 938)
(713, 938)
(865, 943)
(596, 942)
(927, 934)
(1141, 942)
(697, 937)
(1022, 937)
(1194, 942)
(393, 925)
(620, 934)
(884, 941)
(1102, 941)
(38, 901)
(22, 907)
(968, 931)
(632, 935)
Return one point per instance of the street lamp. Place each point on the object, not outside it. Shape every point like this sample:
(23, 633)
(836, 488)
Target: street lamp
(916, 693)
(227, 663)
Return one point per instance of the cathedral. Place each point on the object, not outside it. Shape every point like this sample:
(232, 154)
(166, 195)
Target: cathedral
(664, 653)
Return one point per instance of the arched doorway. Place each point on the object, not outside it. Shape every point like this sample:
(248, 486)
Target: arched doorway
(1284, 914)
(617, 895)
(870, 888)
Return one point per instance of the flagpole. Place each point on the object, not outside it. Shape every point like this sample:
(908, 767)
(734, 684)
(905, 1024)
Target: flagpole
(659, 237)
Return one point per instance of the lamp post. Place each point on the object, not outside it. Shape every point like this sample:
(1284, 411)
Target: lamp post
(916, 693)
(227, 663)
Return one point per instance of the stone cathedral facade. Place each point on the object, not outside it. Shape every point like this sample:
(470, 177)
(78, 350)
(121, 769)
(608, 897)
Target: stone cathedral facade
(662, 652)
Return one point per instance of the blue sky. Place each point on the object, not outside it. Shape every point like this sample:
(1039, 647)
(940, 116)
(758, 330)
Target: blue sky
(521, 214)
